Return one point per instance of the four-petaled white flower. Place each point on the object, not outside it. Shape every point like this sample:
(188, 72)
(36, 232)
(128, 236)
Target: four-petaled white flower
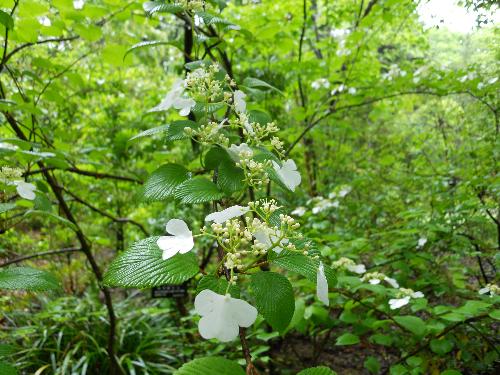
(322, 285)
(240, 105)
(227, 214)
(175, 99)
(404, 297)
(392, 282)
(180, 241)
(288, 174)
(25, 189)
(268, 237)
(237, 151)
(221, 316)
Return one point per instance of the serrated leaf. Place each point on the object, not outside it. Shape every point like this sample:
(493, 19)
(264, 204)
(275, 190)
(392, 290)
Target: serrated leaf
(142, 266)
(176, 129)
(215, 156)
(198, 190)
(27, 278)
(152, 7)
(146, 44)
(274, 298)
(303, 265)
(210, 19)
(218, 285)
(259, 117)
(201, 109)
(320, 370)
(163, 182)
(210, 366)
(152, 131)
(413, 324)
(230, 177)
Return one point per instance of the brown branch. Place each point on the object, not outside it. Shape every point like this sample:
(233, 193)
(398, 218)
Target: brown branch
(38, 255)
(105, 214)
(97, 175)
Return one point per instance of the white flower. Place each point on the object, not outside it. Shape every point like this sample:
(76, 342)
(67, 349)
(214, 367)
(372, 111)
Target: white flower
(267, 237)
(421, 242)
(175, 99)
(356, 268)
(222, 315)
(490, 289)
(392, 282)
(44, 21)
(240, 105)
(180, 241)
(323, 204)
(25, 189)
(346, 190)
(396, 303)
(376, 278)
(288, 174)
(78, 4)
(236, 151)
(319, 83)
(227, 214)
(299, 211)
(403, 298)
(352, 90)
(322, 285)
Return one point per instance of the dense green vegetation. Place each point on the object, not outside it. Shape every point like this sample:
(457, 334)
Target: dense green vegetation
(327, 172)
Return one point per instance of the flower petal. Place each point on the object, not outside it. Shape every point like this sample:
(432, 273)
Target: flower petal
(418, 295)
(206, 301)
(26, 190)
(288, 173)
(178, 227)
(322, 285)
(396, 303)
(392, 282)
(227, 214)
(357, 268)
(242, 312)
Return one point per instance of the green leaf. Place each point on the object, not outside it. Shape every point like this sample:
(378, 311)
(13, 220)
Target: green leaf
(6, 369)
(198, 190)
(495, 314)
(142, 266)
(6, 20)
(441, 346)
(451, 372)
(413, 324)
(210, 19)
(398, 370)
(320, 370)
(347, 339)
(176, 129)
(274, 298)
(152, 7)
(372, 364)
(152, 131)
(230, 177)
(210, 366)
(218, 285)
(27, 278)
(163, 182)
(215, 156)
(4, 207)
(303, 265)
(146, 44)
(6, 350)
(257, 83)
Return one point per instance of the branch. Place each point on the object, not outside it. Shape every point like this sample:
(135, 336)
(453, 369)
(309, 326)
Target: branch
(105, 214)
(82, 172)
(45, 253)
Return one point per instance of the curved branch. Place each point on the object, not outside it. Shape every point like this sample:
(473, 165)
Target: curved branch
(38, 255)
(97, 175)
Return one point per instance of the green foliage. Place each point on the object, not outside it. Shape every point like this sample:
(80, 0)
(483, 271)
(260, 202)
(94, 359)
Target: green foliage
(26, 278)
(142, 266)
(210, 366)
(274, 298)
(164, 181)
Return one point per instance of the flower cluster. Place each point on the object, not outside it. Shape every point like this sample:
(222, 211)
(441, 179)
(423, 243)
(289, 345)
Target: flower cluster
(348, 264)
(13, 177)
(204, 85)
(209, 133)
(491, 289)
(375, 278)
